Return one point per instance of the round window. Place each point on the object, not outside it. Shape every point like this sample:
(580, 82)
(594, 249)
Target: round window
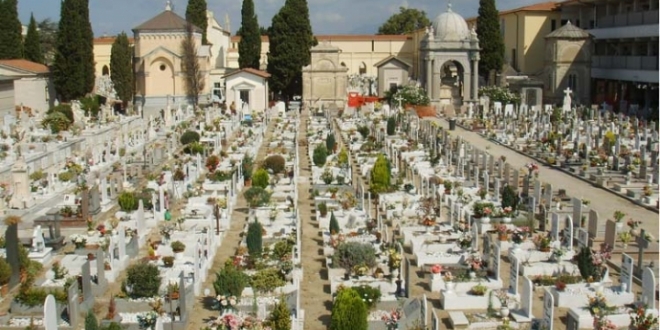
(162, 67)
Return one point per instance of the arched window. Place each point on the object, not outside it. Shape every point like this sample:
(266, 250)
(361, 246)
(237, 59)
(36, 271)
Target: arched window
(363, 68)
(572, 82)
(105, 71)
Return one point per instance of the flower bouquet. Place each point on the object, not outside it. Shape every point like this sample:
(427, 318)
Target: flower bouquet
(598, 305)
(502, 232)
(79, 241)
(436, 269)
(395, 258)
(226, 303)
(542, 242)
(228, 322)
(448, 277)
(518, 236)
(392, 319)
(465, 241)
(474, 261)
(557, 253)
(640, 320)
(147, 320)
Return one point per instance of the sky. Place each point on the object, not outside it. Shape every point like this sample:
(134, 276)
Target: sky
(110, 17)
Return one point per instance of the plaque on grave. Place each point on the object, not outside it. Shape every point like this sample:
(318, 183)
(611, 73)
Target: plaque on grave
(626, 273)
(548, 309)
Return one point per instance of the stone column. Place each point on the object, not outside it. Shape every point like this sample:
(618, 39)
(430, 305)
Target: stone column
(429, 75)
(475, 79)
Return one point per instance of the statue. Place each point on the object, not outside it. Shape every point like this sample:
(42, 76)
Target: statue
(78, 113)
(566, 106)
(38, 242)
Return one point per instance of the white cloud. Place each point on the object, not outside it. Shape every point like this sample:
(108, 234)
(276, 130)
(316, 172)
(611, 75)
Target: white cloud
(329, 18)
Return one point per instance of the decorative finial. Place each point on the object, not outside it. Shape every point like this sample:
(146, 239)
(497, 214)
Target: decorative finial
(449, 6)
(168, 5)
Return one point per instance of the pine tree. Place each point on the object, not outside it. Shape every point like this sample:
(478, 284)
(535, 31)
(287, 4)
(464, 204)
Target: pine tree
(380, 175)
(121, 68)
(87, 46)
(11, 40)
(334, 224)
(254, 239)
(290, 41)
(249, 48)
(490, 39)
(196, 14)
(68, 76)
(280, 317)
(349, 312)
(33, 43)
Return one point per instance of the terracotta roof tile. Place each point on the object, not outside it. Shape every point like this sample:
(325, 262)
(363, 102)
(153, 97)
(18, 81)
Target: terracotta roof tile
(262, 74)
(109, 40)
(25, 65)
(346, 37)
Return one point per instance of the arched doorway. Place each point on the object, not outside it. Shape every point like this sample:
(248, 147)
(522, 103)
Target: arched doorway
(161, 78)
(451, 83)
(105, 71)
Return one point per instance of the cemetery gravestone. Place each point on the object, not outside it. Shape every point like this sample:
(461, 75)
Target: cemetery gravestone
(554, 227)
(50, 313)
(610, 233)
(495, 260)
(583, 237)
(626, 273)
(648, 288)
(548, 309)
(513, 277)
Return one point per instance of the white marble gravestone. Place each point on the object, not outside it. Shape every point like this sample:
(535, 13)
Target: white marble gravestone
(626, 273)
(648, 288)
(50, 313)
(513, 276)
(548, 309)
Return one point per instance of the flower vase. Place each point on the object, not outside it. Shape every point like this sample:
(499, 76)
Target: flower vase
(485, 220)
(517, 246)
(624, 287)
(506, 220)
(619, 226)
(449, 286)
(473, 275)
(395, 273)
(428, 229)
(504, 311)
(625, 246)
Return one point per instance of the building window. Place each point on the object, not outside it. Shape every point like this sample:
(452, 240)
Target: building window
(162, 67)
(553, 25)
(363, 68)
(577, 22)
(572, 82)
(217, 85)
(563, 22)
(551, 87)
(514, 63)
(502, 27)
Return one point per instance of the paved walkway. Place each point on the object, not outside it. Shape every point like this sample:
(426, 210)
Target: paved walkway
(602, 201)
(315, 296)
(201, 313)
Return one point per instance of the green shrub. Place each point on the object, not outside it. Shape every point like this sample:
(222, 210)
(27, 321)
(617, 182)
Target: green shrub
(113, 326)
(370, 295)
(254, 238)
(275, 163)
(280, 317)
(260, 178)
(127, 201)
(168, 261)
(247, 163)
(350, 254)
(37, 175)
(189, 137)
(342, 157)
(267, 280)
(323, 209)
(380, 175)
(509, 198)
(143, 279)
(64, 109)
(330, 142)
(282, 248)
(334, 224)
(349, 312)
(320, 155)
(364, 131)
(90, 104)
(256, 196)
(65, 176)
(230, 281)
(391, 126)
(5, 271)
(91, 323)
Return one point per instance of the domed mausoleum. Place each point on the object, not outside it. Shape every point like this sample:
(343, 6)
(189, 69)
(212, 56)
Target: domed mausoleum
(449, 55)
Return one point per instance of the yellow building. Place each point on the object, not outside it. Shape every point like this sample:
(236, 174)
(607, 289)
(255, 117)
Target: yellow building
(359, 53)
(524, 30)
(102, 52)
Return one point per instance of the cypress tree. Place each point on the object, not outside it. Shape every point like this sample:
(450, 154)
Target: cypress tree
(280, 317)
(86, 46)
(121, 68)
(33, 43)
(91, 323)
(249, 48)
(334, 224)
(349, 312)
(68, 76)
(490, 39)
(290, 41)
(11, 40)
(196, 15)
(254, 238)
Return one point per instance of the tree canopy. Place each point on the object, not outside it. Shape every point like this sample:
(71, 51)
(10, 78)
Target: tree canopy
(407, 20)
(11, 29)
(490, 39)
(32, 49)
(249, 48)
(74, 58)
(121, 68)
(192, 71)
(196, 14)
(290, 41)
(48, 38)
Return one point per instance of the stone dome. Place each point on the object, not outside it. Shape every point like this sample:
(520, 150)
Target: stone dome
(450, 26)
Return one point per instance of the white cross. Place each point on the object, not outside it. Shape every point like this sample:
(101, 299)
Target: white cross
(568, 91)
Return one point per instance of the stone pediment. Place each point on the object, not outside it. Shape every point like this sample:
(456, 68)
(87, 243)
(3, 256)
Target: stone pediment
(325, 47)
(159, 51)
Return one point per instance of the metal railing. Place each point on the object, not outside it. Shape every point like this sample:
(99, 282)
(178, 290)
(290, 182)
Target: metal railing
(625, 62)
(628, 19)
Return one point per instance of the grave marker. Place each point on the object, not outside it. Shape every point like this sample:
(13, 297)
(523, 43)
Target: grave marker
(527, 295)
(568, 233)
(583, 238)
(642, 244)
(626, 273)
(554, 226)
(435, 321)
(513, 277)
(548, 309)
(50, 313)
(495, 260)
(577, 209)
(648, 288)
(610, 232)
(87, 282)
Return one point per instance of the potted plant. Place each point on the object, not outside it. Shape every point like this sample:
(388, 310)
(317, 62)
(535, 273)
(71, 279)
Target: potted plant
(503, 232)
(173, 291)
(333, 191)
(625, 238)
(506, 214)
(560, 286)
(505, 299)
(436, 270)
(542, 243)
(323, 209)
(327, 176)
(478, 290)
(168, 261)
(447, 184)
(79, 241)
(178, 247)
(483, 193)
(618, 217)
(449, 282)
